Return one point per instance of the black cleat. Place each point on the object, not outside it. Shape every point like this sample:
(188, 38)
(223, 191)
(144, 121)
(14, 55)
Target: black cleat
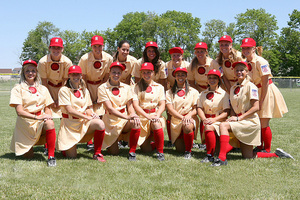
(132, 156)
(187, 155)
(218, 162)
(51, 162)
(282, 154)
(90, 147)
(208, 158)
(160, 156)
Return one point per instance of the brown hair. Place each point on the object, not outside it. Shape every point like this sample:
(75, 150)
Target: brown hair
(142, 86)
(259, 51)
(175, 87)
(82, 84)
(156, 61)
(120, 44)
(195, 61)
(232, 56)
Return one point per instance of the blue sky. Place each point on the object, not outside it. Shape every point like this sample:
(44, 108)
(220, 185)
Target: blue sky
(17, 18)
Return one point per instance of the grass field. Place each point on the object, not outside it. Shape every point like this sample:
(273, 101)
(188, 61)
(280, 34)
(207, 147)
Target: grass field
(176, 178)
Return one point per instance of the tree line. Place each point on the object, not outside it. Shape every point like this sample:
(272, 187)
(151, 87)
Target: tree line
(174, 28)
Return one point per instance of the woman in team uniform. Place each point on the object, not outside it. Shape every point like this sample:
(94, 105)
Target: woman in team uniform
(225, 58)
(95, 68)
(213, 108)
(149, 103)
(79, 123)
(181, 104)
(271, 102)
(151, 54)
(53, 70)
(120, 118)
(244, 123)
(34, 124)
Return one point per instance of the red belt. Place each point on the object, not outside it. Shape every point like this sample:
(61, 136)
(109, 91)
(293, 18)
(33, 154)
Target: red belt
(239, 114)
(53, 85)
(121, 111)
(210, 116)
(67, 116)
(259, 85)
(150, 110)
(93, 82)
(203, 86)
(233, 80)
(37, 113)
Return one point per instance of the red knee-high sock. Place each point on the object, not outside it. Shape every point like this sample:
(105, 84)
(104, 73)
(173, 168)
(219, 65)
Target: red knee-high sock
(265, 155)
(90, 142)
(133, 139)
(50, 139)
(169, 129)
(210, 140)
(188, 141)
(46, 146)
(98, 140)
(159, 139)
(267, 138)
(224, 143)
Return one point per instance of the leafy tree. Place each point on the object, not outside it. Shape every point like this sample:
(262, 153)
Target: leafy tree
(259, 25)
(72, 45)
(36, 44)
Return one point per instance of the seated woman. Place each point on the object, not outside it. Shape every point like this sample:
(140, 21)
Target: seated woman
(79, 123)
(34, 122)
(213, 108)
(119, 116)
(244, 124)
(149, 103)
(181, 104)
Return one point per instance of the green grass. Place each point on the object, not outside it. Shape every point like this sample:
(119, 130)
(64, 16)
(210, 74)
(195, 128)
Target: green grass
(176, 178)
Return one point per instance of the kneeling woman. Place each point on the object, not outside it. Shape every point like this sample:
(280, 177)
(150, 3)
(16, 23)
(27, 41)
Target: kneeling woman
(119, 116)
(79, 124)
(245, 124)
(213, 108)
(181, 104)
(31, 101)
(149, 103)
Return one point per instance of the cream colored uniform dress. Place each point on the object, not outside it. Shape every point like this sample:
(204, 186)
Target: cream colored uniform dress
(150, 101)
(27, 131)
(129, 65)
(55, 73)
(113, 124)
(95, 71)
(213, 103)
(161, 74)
(246, 131)
(228, 71)
(273, 105)
(171, 69)
(72, 129)
(183, 105)
(199, 73)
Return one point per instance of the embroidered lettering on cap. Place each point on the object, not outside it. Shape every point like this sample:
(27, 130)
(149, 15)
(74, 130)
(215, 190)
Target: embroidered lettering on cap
(246, 40)
(29, 60)
(96, 38)
(224, 36)
(56, 40)
(200, 43)
(146, 64)
(151, 42)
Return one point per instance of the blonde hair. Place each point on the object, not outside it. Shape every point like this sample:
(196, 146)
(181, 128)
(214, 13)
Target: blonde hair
(23, 78)
(195, 61)
(232, 56)
(258, 49)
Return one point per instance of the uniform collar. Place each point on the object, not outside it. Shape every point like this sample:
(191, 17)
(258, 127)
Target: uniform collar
(50, 60)
(92, 58)
(245, 81)
(112, 86)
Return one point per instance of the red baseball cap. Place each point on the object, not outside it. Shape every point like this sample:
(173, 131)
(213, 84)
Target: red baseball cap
(244, 63)
(151, 44)
(248, 42)
(201, 45)
(97, 39)
(226, 38)
(56, 42)
(117, 64)
(179, 69)
(147, 66)
(214, 72)
(176, 50)
(75, 69)
(29, 62)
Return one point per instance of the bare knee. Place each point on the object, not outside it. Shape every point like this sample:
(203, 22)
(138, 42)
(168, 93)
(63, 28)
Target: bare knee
(209, 128)
(97, 124)
(49, 124)
(188, 128)
(155, 125)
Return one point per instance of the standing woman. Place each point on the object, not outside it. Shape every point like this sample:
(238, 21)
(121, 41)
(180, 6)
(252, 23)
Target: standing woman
(34, 122)
(79, 123)
(181, 104)
(213, 108)
(122, 56)
(53, 70)
(120, 118)
(244, 124)
(271, 102)
(152, 55)
(149, 103)
(175, 62)
(226, 57)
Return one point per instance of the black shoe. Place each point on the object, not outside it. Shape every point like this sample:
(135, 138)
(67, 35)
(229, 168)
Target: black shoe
(282, 154)
(208, 158)
(90, 147)
(235, 150)
(218, 162)
(202, 147)
(256, 149)
(169, 144)
(45, 151)
(51, 162)
(132, 157)
(187, 155)
(122, 144)
(160, 156)
(195, 145)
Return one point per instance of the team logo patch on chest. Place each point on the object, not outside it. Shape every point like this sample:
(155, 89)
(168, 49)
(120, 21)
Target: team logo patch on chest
(77, 93)
(237, 90)
(201, 70)
(149, 89)
(97, 64)
(227, 64)
(33, 90)
(181, 93)
(54, 66)
(115, 91)
(210, 95)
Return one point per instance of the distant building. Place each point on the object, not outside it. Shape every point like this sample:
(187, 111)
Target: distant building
(6, 71)
(17, 70)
